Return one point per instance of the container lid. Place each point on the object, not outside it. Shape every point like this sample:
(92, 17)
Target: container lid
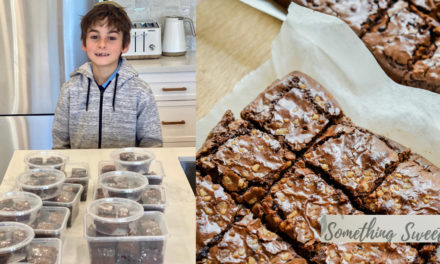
(8, 232)
(59, 159)
(44, 211)
(123, 181)
(158, 217)
(33, 200)
(115, 210)
(41, 179)
(75, 170)
(140, 155)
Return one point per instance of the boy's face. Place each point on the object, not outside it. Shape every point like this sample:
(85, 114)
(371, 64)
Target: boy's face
(103, 45)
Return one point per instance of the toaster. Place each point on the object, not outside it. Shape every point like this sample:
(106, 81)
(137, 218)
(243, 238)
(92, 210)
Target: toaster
(145, 41)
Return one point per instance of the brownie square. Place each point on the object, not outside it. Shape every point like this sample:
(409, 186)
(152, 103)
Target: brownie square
(295, 110)
(296, 203)
(354, 13)
(410, 189)
(396, 38)
(215, 212)
(365, 253)
(354, 158)
(225, 129)
(248, 164)
(248, 241)
(425, 72)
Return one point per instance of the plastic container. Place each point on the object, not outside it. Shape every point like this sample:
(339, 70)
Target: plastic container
(132, 159)
(156, 204)
(155, 173)
(17, 237)
(51, 222)
(19, 207)
(69, 197)
(46, 160)
(146, 246)
(115, 216)
(154, 198)
(44, 250)
(45, 183)
(123, 184)
(78, 172)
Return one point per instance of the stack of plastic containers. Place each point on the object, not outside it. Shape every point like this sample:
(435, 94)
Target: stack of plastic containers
(119, 231)
(46, 177)
(129, 183)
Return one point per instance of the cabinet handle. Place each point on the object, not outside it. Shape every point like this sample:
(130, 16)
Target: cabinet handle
(174, 89)
(181, 122)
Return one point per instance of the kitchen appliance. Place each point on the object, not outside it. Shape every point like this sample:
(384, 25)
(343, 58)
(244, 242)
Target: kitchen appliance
(145, 42)
(40, 46)
(174, 43)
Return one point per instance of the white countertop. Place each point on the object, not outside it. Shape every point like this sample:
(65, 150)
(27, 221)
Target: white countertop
(179, 214)
(166, 64)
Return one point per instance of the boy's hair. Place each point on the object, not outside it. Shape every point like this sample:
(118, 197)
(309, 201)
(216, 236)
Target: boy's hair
(114, 14)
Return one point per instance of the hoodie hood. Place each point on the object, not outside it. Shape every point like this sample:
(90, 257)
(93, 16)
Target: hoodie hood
(126, 72)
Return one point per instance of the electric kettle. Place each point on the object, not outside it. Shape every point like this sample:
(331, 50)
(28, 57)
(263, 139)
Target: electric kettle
(174, 36)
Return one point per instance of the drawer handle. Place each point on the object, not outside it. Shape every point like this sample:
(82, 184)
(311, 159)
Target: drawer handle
(174, 89)
(181, 122)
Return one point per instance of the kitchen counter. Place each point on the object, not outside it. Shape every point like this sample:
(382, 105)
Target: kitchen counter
(179, 214)
(233, 39)
(166, 64)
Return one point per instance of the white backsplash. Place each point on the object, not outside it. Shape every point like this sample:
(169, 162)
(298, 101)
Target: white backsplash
(141, 10)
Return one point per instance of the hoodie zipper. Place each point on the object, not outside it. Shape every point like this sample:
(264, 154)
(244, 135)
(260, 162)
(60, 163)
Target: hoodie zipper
(101, 100)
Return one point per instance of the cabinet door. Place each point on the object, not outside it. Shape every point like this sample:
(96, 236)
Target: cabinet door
(178, 120)
(164, 91)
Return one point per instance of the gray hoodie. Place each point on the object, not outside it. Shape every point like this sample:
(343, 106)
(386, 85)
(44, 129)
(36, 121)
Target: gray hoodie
(88, 117)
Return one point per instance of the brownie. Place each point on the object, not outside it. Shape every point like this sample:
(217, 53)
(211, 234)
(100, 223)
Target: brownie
(11, 205)
(47, 220)
(248, 164)
(354, 13)
(425, 72)
(151, 196)
(365, 253)
(294, 109)
(249, 241)
(296, 203)
(108, 210)
(396, 39)
(409, 190)
(40, 254)
(107, 168)
(225, 129)
(403, 35)
(353, 158)
(215, 212)
(127, 156)
(66, 198)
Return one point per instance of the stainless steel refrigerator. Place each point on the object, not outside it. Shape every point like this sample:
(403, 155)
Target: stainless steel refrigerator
(39, 47)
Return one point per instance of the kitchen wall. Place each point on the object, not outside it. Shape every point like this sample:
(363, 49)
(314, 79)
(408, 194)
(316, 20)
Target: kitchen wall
(141, 10)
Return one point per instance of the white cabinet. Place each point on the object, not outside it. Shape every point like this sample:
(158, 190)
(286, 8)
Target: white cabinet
(174, 87)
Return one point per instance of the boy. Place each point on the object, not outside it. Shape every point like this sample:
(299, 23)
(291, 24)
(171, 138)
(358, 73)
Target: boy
(105, 104)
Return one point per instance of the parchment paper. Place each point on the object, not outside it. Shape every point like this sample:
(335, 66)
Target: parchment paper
(326, 49)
